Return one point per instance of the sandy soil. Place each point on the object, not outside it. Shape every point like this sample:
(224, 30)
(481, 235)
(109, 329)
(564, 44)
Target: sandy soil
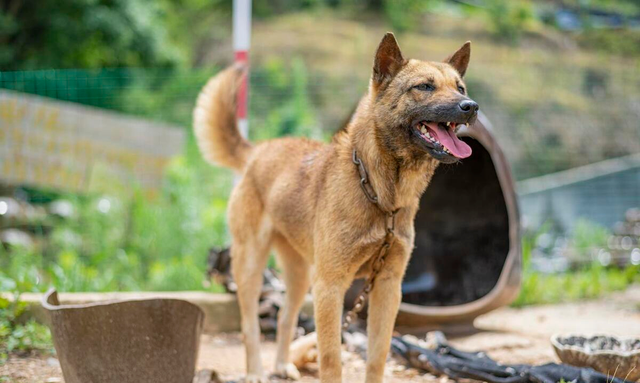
(508, 335)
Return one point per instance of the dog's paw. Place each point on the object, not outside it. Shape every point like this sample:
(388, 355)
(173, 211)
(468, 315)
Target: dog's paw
(251, 378)
(287, 371)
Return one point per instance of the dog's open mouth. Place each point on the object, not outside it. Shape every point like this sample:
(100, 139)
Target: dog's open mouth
(441, 137)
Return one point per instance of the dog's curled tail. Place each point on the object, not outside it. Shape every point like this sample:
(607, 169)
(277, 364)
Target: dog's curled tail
(214, 120)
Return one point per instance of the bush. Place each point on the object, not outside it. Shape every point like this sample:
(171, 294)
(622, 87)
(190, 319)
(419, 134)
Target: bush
(509, 19)
(588, 282)
(17, 335)
(404, 14)
(131, 242)
(623, 42)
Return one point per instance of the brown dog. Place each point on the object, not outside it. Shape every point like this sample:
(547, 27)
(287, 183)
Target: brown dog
(304, 199)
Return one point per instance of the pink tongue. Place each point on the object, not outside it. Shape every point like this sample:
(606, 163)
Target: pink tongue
(448, 138)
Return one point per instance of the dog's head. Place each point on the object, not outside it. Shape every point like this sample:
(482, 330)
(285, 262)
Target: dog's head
(419, 105)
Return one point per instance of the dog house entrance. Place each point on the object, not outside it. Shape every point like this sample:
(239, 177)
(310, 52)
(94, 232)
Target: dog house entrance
(462, 234)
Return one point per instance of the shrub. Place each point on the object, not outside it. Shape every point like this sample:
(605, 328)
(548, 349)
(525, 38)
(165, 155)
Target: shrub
(17, 335)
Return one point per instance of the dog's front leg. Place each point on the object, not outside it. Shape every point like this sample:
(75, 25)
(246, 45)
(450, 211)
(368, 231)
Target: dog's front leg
(328, 295)
(384, 303)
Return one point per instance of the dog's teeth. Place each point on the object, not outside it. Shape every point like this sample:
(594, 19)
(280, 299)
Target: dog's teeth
(423, 130)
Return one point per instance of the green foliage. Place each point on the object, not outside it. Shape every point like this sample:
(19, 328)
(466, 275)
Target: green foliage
(161, 94)
(137, 243)
(625, 7)
(588, 282)
(625, 42)
(588, 235)
(508, 19)
(193, 26)
(168, 33)
(269, 8)
(83, 33)
(404, 14)
(290, 112)
(18, 335)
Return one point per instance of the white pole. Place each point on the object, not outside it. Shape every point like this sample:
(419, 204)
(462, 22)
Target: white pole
(241, 43)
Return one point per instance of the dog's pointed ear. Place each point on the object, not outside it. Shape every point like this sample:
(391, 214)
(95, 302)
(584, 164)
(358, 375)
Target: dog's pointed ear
(460, 59)
(389, 60)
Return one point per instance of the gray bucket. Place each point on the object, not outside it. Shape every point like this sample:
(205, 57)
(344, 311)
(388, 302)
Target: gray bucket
(136, 341)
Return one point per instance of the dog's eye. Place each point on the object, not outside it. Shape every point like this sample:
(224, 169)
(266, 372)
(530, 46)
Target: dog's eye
(425, 87)
(461, 89)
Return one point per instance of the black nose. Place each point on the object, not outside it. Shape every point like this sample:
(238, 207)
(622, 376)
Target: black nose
(468, 106)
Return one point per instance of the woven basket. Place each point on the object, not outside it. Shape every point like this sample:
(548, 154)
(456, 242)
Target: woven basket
(610, 355)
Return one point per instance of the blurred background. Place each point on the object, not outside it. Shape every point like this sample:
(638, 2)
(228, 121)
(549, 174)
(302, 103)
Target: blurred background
(102, 187)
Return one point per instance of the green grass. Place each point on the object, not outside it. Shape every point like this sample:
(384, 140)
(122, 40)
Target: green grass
(19, 335)
(141, 243)
(590, 281)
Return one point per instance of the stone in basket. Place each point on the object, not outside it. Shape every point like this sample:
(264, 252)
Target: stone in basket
(610, 355)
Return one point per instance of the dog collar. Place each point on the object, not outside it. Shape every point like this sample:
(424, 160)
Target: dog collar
(379, 258)
(366, 187)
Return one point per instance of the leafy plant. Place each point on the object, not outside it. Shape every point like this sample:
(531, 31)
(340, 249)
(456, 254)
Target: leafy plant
(618, 42)
(17, 335)
(80, 33)
(587, 236)
(589, 282)
(508, 19)
(404, 14)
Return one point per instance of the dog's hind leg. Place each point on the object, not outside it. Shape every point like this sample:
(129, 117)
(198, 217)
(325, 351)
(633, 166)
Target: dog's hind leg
(248, 263)
(252, 234)
(295, 272)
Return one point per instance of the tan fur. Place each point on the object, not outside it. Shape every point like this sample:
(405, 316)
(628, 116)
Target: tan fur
(214, 121)
(303, 198)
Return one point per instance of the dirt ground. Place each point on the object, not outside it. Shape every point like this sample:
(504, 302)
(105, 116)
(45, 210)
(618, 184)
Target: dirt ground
(508, 335)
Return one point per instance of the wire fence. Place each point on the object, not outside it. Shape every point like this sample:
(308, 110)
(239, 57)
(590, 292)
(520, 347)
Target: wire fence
(546, 118)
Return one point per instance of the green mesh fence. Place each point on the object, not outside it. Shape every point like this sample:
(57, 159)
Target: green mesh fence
(282, 101)
(546, 118)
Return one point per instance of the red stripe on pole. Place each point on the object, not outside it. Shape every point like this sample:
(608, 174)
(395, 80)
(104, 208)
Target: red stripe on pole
(242, 56)
(241, 111)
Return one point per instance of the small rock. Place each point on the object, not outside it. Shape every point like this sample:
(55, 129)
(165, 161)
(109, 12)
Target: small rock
(207, 376)
(53, 362)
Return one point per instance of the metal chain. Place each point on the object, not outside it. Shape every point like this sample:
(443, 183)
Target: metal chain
(389, 237)
(364, 181)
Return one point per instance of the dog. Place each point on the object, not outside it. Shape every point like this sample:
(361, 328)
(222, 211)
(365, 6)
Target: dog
(304, 199)
(219, 270)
